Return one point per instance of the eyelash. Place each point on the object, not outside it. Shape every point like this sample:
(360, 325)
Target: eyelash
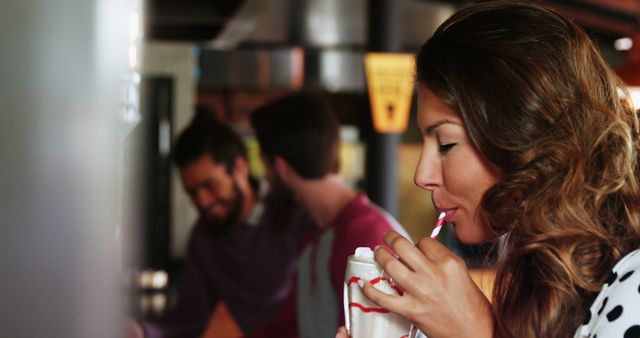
(446, 147)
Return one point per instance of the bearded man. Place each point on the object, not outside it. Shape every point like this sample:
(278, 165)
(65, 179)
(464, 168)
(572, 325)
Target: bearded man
(242, 249)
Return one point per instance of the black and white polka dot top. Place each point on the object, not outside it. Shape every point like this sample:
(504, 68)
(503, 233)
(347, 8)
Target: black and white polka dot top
(616, 310)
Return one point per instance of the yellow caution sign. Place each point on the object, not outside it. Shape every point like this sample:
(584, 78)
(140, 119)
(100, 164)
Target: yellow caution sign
(390, 79)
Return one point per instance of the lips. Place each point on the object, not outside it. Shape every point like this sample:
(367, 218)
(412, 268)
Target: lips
(215, 211)
(449, 212)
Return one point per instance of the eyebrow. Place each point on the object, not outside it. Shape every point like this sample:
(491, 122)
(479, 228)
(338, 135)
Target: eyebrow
(429, 129)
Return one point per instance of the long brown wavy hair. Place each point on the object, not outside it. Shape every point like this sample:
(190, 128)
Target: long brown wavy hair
(538, 101)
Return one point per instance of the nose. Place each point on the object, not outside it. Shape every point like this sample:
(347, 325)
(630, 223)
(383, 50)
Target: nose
(428, 171)
(203, 199)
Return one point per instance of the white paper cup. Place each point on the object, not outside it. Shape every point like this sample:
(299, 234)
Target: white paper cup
(363, 318)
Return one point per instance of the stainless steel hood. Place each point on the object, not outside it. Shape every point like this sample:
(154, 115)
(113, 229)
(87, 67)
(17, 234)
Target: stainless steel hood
(326, 39)
(316, 44)
(272, 68)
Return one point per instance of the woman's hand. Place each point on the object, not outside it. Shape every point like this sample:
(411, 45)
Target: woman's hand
(440, 297)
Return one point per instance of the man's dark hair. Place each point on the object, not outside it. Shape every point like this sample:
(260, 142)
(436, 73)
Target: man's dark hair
(207, 136)
(302, 129)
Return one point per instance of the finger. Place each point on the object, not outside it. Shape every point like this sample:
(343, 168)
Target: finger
(342, 332)
(392, 267)
(433, 250)
(383, 256)
(407, 280)
(388, 302)
(406, 251)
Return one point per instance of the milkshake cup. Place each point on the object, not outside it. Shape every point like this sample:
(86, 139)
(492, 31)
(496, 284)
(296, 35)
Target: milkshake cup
(363, 318)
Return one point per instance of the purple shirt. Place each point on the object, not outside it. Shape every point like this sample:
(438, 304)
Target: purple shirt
(250, 269)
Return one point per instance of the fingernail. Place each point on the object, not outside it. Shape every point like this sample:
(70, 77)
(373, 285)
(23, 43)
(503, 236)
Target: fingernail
(360, 283)
(376, 247)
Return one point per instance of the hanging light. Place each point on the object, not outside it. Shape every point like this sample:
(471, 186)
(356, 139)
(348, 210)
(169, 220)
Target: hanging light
(629, 70)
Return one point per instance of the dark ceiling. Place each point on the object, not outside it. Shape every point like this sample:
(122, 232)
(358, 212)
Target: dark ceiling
(201, 20)
(190, 20)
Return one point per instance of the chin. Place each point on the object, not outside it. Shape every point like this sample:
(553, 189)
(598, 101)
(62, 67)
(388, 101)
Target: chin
(471, 238)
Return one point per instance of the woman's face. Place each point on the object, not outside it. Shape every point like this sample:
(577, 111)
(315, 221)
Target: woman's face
(452, 168)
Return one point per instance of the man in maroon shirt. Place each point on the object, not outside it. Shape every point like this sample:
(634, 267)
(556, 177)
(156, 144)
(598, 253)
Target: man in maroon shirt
(242, 250)
(299, 140)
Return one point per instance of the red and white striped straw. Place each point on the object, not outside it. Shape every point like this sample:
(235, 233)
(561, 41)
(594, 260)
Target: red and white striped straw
(438, 226)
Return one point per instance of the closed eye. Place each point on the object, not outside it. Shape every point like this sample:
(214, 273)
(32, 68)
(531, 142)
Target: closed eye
(446, 147)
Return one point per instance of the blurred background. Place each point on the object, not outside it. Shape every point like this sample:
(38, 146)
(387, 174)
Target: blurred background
(93, 93)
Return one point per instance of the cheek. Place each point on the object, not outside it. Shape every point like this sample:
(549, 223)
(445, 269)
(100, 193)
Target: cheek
(225, 193)
(464, 185)
(459, 175)
(468, 178)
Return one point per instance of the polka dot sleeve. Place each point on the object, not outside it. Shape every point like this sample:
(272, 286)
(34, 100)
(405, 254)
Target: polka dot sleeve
(616, 310)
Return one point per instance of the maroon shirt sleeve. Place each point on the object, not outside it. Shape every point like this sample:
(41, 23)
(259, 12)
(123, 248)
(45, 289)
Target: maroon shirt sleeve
(284, 324)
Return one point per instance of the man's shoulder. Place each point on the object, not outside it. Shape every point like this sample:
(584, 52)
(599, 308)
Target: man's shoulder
(203, 237)
(283, 218)
(363, 214)
(198, 231)
(367, 212)
(365, 218)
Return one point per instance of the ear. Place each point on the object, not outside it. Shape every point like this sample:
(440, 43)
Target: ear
(283, 168)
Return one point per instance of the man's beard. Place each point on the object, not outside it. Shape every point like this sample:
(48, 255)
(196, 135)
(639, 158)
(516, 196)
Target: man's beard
(234, 207)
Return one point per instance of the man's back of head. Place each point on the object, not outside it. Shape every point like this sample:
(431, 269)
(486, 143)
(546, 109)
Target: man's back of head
(302, 129)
